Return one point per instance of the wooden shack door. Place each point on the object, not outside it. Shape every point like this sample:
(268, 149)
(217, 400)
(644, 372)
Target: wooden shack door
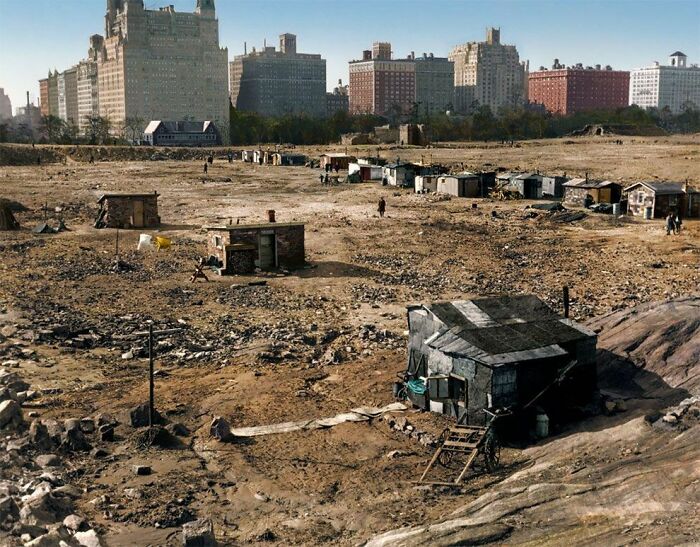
(267, 251)
(137, 221)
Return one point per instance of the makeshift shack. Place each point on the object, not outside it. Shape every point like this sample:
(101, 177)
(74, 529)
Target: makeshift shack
(366, 172)
(128, 211)
(426, 183)
(577, 192)
(468, 356)
(528, 185)
(285, 158)
(463, 185)
(657, 199)
(400, 174)
(240, 248)
(336, 160)
(553, 187)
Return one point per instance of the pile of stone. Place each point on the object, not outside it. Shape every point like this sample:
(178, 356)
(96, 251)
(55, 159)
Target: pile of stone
(402, 425)
(373, 295)
(37, 504)
(372, 338)
(681, 417)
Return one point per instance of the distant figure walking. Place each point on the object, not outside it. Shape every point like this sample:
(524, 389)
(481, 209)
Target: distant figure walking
(670, 224)
(381, 207)
(230, 157)
(677, 221)
(210, 159)
(206, 167)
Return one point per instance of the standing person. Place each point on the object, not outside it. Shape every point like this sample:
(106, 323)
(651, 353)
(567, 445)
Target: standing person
(381, 207)
(670, 224)
(677, 221)
(205, 167)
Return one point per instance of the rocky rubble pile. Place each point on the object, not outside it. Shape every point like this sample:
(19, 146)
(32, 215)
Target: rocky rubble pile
(681, 417)
(402, 425)
(37, 502)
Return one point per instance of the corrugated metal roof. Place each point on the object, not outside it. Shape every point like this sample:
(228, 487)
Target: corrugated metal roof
(662, 188)
(502, 329)
(583, 183)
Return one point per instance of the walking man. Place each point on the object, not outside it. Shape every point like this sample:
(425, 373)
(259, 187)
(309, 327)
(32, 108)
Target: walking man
(381, 207)
(205, 167)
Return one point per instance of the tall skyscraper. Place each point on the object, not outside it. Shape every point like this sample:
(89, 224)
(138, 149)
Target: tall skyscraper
(382, 85)
(5, 106)
(88, 93)
(68, 95)
(659, 86)
(488, 73)
(162, 65)
(275, 83)
(567, 90)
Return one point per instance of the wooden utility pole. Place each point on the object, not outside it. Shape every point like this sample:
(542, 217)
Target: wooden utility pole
(151, 359)
(151, 386)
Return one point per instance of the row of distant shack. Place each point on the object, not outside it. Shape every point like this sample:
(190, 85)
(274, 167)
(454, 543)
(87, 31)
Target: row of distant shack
(647, 199)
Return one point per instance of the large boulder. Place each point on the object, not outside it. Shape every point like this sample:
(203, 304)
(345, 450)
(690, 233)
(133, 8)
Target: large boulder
(10, 414)
(198, 533)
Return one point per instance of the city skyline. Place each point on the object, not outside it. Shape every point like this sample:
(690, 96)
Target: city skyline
(624, 34)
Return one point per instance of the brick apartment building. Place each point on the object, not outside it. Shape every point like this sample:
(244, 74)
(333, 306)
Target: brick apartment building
(567, 90)
(382, 85)
(277, 82)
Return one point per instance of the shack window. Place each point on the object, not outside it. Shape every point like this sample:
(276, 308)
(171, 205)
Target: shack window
(218, 243)
(439, 387)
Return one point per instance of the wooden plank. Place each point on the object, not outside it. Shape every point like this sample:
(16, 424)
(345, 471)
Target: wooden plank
(461, 444)
(430, 465)
(469, 462)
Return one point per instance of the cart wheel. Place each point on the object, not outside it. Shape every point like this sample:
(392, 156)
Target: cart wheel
(492, 453)
(445, 457)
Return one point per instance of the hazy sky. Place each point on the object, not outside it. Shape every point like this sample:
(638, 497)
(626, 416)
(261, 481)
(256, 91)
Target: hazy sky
(38, 35)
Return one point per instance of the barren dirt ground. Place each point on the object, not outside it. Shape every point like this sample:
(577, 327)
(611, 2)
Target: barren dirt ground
(329, 338)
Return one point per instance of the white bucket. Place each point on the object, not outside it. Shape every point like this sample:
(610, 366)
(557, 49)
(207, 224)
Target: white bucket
(145, 243)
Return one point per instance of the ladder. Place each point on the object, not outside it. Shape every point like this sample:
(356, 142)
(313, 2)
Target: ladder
(457, 440)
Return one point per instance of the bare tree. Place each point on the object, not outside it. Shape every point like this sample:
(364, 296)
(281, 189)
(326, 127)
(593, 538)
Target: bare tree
(133, 128)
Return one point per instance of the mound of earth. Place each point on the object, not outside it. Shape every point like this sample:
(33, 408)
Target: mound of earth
(661, 338)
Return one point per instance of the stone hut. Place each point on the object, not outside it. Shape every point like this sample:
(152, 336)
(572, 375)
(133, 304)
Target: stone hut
(128, 211)
(240, 248)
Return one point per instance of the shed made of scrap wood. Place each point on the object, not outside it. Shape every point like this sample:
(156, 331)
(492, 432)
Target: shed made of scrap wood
(128, 211)
(336, 160)
(274, 245)
(499, 352)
